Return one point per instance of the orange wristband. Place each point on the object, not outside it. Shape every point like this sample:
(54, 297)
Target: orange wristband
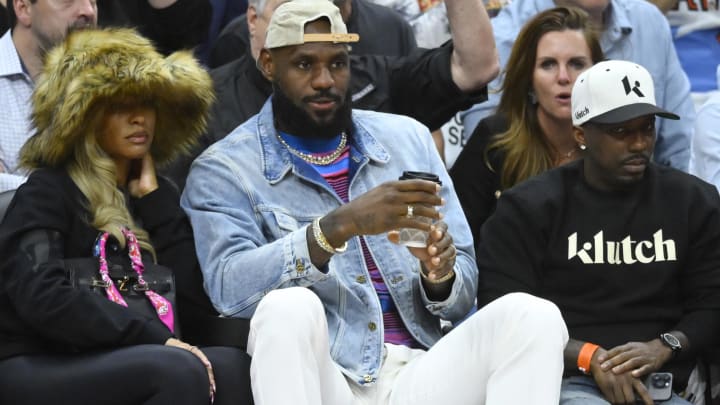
(585, 356)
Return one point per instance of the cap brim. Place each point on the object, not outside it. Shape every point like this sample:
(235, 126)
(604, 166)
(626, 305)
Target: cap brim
(632, 111)
(329, 37)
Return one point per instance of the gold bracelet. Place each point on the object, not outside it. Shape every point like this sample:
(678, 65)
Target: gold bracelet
(322, 240)
(440, 280)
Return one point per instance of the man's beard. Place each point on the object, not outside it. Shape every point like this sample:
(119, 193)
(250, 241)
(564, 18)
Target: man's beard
(47, 41)
(294, 120)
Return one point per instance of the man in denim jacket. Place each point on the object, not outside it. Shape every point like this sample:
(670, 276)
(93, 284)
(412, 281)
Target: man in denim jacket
(295, 214)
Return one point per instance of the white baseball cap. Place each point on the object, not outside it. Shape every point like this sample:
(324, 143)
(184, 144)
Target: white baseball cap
(287, 24)
(614, 91)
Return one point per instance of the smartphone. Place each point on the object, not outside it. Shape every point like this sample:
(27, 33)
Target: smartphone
(659, 386)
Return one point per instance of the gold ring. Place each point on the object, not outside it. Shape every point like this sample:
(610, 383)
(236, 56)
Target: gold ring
(409, 211)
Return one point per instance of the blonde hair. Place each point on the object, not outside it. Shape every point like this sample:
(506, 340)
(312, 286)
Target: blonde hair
(525, 152)
(94, 173)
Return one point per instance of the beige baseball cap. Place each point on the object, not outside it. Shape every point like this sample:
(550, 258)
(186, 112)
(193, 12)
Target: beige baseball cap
(287, 25)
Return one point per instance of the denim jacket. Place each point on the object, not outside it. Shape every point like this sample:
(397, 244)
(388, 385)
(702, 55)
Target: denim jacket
(250, 202)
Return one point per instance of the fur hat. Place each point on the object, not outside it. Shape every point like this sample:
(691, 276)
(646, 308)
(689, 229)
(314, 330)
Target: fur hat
(94, 66)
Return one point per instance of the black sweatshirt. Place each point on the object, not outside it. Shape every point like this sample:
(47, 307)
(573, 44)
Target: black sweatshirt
(39, 310)
(623, 266)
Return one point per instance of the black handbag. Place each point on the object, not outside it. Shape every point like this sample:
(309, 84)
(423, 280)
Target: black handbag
(149, 292)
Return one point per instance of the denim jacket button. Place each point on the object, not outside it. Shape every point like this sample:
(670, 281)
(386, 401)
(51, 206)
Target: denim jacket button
(372, 326)
(361, 279)
(299, 266)
(367, 378)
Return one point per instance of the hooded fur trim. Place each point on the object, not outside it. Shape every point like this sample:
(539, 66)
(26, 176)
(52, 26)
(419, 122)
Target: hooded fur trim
(99, 66)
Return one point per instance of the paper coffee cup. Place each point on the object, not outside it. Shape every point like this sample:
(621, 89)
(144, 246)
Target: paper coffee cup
(412, 237)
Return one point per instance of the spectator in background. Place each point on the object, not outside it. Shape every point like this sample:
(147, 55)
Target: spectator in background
(494, 6)
(532, 131)
(171, 24)
(36, 27)
(223, 12)
(664, 5)
(628, 249)
(451, 136)
(696, 33)
(633, 30)
(309, 178)
(394, 39)
(705, 162)
(428, 19)
(428, 85)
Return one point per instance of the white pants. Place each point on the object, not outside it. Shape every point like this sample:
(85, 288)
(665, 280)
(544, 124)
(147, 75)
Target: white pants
(509, 352)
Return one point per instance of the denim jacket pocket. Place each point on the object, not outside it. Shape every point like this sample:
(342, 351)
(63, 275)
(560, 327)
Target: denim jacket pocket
(285, 222)
(278, 223)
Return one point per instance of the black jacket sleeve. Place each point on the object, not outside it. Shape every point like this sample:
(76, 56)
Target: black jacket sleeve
(32, 242)
(422, 87)
(476, 174)
(419, 85)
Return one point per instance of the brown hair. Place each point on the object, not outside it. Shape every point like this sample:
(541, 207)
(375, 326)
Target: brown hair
(526, 153)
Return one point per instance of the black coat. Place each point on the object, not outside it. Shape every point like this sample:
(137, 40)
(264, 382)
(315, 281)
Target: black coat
(39, 311)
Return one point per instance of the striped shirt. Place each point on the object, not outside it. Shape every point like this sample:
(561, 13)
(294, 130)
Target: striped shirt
(337, 176)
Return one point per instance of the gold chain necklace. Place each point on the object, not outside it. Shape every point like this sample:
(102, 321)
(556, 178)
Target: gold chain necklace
(317, 160)
(563, 157)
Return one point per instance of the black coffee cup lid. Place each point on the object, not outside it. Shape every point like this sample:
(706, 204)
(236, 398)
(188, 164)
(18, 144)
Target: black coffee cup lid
(408, 175)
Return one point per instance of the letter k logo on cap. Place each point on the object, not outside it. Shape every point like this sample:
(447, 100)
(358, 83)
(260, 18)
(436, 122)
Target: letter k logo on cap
(635, 89)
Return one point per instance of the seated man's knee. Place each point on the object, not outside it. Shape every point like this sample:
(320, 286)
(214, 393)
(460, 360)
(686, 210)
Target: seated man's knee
(529, 306)
(541, 315)
(290, 306)
(532, 313)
